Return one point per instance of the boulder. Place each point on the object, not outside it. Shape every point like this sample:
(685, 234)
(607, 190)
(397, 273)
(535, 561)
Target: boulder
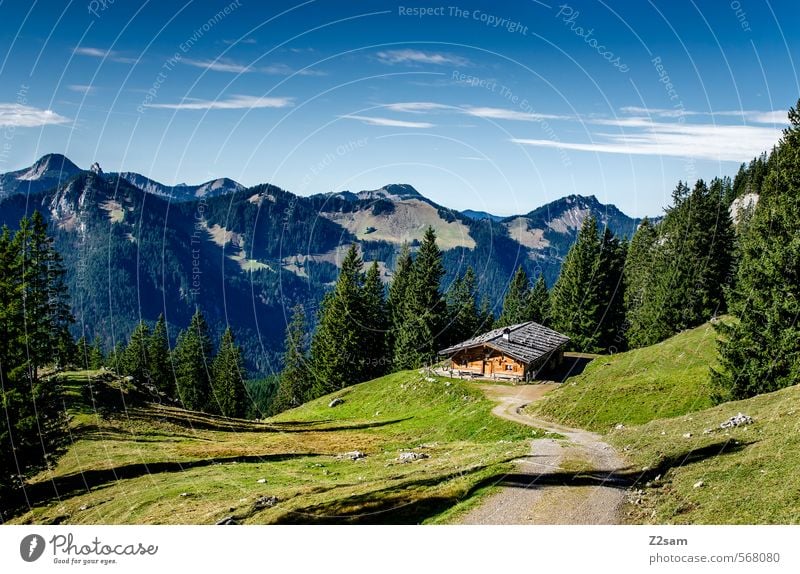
(412, 456)
(335, 402)
(266, 502)
(737, 420)
(352, 455)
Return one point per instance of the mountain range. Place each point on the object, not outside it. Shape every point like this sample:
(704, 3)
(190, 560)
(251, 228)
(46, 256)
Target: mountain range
(135, 248)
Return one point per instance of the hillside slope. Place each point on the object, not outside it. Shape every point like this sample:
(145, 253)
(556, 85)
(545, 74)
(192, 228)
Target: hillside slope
(699, 473)
(156, 464)
(664, 380)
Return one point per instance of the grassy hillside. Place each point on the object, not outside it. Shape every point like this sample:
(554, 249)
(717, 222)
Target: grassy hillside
(137, 462)
(661, 381)
(709, 475)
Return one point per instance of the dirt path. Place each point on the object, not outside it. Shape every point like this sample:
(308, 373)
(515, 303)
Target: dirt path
(570, 481)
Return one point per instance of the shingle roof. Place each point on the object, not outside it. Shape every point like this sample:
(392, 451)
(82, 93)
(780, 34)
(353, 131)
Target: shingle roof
(527, 341)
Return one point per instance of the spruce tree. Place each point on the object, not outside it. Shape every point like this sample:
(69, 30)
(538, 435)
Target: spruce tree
(611, 263)
(193, 356)
(336, 349)
(136, 360)
(575, 299)
(82, 355)
(228, 377)
(160, 364)
(96, 356)
(294, 387)
(375, 324)
(517, 299)
(759, 350)
(462, 310)
(418, 341)
(397, 294)
(539, 302)
(638, 280)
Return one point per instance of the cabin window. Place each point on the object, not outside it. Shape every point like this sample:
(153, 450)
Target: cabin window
(509, 367)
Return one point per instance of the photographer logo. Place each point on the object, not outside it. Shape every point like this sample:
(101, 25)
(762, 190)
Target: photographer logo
(31, 548)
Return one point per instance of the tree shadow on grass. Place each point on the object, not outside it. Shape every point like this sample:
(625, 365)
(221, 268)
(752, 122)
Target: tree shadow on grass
(408, 502)
(70, 485)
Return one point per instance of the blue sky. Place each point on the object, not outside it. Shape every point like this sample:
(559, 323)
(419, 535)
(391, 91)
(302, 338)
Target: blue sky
(483, 105)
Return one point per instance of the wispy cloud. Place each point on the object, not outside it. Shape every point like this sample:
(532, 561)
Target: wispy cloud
(241, 41)
(700, 141)
(753, 116)
(514, 115)
(19, 116)
(233, 103)
(388, 122)
(225, 65)
(82, 88)
(104, 54)
(409, 56)
(417, 107)
(217, 65)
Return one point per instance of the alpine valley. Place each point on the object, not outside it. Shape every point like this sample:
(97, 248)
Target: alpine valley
(135, 248)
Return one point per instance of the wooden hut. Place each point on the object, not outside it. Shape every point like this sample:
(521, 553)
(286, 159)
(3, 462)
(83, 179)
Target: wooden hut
(519, 352)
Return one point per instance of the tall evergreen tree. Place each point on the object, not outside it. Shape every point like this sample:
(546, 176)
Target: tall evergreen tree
(228, 376)
(611, 263)
(136, 360)
(462, 310)
(759, 350)
(193, 356)
(538, 307)
(575, 299)
(158, 352)
(397, 294)
(336, 349)
(517, 300)
(82, 353)
(96, 356)
(294, 386)
(423, 318)
(638, 280)
(375, 324)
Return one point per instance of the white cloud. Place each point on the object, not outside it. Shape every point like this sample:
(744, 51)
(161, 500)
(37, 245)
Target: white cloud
(754, 116)
(229, 66)
(82, 88)
(409, 56)
(506, 114)
(217, 65)
(388, 122)
(416, 107)
(232, 103)
(105, 54)
(19, 116)
(701, 141)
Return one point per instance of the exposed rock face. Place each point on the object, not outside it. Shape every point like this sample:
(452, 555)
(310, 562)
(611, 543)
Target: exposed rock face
(742, 206)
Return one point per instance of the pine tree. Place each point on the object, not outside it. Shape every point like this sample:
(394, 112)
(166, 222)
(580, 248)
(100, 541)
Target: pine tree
(462, 310)
(397, 294)
(82, 355)
(575, 299)
(611, 263)
(193, 356)
(638, 275)
(375, 324)
(295, 381)
(423, 317)
(136, 360)
(96, 356)
(228, 376)
(336, 349)
(117, 358)
(759, 350)
(517, 299)
(486, 318)
(160, 364)
(539, 302)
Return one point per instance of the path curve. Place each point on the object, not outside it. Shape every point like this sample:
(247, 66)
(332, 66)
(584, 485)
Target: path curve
(562, 481)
